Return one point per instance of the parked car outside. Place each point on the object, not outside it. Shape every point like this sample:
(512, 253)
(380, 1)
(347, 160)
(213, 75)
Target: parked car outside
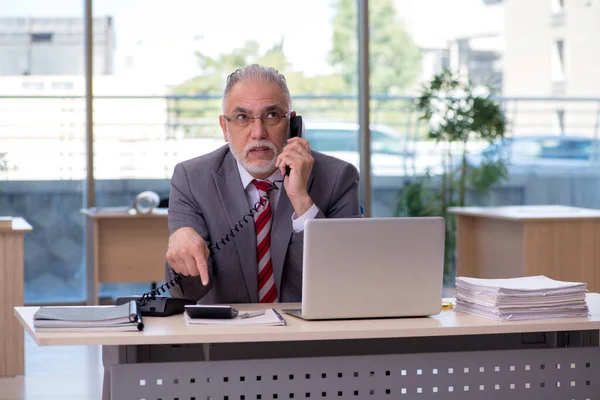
(391, 154)
(544, 153)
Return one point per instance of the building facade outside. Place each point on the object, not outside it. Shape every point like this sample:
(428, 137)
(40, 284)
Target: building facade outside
(54, 46)
(465, 36)
(552, 52)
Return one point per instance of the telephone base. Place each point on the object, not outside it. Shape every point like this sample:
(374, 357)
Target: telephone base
(159, 306)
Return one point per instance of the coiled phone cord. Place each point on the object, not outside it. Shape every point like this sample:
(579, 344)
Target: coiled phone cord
(219, 244)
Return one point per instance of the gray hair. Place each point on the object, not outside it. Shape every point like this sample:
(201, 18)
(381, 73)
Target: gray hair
(258, 73)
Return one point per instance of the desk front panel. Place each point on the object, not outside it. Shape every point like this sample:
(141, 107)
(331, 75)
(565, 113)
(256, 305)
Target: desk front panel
(560, 373)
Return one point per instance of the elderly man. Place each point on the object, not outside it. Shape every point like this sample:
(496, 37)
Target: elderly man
(210, 194)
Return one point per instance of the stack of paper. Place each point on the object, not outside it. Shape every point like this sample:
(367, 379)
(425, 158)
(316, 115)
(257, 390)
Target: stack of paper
(270, 318)
(125, 317)
(531, 297)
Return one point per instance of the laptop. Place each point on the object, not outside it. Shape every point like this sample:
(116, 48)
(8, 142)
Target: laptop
(372, 268)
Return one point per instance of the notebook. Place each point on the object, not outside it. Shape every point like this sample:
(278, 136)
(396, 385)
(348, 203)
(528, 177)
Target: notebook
(372, 268)
(270, 318)
(125, 317)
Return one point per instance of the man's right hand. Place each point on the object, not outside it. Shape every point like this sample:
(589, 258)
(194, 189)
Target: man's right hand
(188, 254)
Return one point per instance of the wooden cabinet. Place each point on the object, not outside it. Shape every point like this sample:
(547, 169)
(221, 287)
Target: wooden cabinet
(11, 295)
(556, 241)
(124, 247)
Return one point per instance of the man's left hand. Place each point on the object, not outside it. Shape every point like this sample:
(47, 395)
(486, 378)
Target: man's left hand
(296, 155)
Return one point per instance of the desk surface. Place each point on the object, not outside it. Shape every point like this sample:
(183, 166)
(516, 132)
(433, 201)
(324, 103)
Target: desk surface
(171, 330)
(521, 213)
(122, 212)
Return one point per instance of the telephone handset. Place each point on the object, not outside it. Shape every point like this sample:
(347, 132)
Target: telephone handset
(295, 131)
(152, 304)
(296, 126)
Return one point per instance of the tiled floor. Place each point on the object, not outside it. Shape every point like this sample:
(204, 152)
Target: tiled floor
(56, 372)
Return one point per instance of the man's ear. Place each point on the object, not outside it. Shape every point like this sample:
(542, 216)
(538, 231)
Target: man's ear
(223, 123)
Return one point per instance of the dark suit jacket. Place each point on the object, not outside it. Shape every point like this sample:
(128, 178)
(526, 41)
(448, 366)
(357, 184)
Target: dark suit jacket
(207, 195)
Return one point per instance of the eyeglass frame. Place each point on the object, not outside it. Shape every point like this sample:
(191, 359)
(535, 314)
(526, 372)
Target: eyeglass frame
(281, 116)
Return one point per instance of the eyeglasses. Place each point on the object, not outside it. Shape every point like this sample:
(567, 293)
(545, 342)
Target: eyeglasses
(268, 118)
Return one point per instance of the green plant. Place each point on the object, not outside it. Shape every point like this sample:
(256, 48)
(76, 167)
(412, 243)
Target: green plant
(416, 199)
(456, 113)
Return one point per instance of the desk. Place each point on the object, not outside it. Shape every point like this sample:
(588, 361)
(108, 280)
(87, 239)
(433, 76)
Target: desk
(500, 242)
(451, 355)
(11, 295)
(124, 247)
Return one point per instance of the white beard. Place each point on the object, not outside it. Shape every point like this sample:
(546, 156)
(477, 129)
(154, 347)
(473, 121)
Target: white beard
(255, 167)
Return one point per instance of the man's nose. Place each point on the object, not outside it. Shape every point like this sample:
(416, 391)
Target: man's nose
(258, 129)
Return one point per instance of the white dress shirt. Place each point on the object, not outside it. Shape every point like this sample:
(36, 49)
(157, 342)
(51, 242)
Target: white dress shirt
(253, 197)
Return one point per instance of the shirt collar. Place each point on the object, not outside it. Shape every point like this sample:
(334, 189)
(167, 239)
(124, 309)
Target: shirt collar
(247, 178)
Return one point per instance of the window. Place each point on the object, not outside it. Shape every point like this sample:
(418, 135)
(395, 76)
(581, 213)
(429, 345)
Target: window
(37, 86)
(385, 144)
(558, 60)
(42, 37)
(525, 149)
(560, 119)
(331, 139)
(552, 148)
(63, 85)
(558, 6)
(39, 128)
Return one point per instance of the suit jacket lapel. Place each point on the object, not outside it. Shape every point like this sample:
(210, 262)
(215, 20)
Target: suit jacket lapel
(235, 204)
(281, 233)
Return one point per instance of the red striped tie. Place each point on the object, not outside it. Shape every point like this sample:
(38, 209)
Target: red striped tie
(267, 292)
